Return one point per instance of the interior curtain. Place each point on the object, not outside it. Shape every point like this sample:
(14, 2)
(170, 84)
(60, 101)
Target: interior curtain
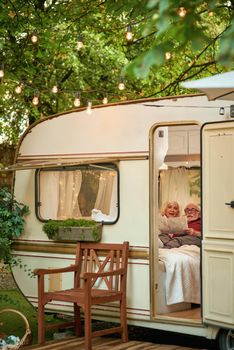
(49, 194)
(174, 186)
(105, 189)
(114, 199)
(69, 188)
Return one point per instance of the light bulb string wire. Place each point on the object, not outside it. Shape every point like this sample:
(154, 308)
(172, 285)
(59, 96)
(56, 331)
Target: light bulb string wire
(102, 93)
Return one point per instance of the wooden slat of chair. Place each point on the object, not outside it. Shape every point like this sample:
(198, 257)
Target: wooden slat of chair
(118, 257)
(101, 267)
(85, 259)
(89, 269)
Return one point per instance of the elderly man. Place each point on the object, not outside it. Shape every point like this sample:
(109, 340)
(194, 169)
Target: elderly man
(192, 212)
(191, 235)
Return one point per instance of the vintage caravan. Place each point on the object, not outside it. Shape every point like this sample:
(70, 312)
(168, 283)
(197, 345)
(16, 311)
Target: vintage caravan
(119, 164)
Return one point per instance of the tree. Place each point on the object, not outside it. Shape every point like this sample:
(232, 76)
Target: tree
(191, 29)
(166, 48)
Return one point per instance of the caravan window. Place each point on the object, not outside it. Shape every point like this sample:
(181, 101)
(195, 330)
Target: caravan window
(74, 192)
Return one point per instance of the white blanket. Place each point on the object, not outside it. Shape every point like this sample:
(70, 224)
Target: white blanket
(182, 274)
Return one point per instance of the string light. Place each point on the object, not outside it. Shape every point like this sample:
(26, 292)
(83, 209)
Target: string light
(129, 34)
(182, 12)
(89, 107)
(18, 89)
(77, 100)
(80, 43)
(35, 100)
(121, 85)
(167, 55)
(105, 100)
(34, 38)
(210, 13)
(1, 71)
(55, 89)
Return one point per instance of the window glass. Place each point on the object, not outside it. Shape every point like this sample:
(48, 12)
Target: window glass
(78, 192)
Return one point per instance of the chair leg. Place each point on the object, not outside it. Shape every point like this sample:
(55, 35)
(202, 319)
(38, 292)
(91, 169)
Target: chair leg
(88, 329)
(123, 320)
(41, 323)
(77, 320)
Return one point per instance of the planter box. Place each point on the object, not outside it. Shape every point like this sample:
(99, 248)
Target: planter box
(80, 234)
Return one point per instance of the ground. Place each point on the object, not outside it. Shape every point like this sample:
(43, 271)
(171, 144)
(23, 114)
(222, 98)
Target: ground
(11, 297)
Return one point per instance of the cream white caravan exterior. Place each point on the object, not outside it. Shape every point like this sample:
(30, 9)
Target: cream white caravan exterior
(136, 143)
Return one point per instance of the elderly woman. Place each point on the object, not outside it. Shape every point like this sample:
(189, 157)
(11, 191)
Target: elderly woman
(171, 209)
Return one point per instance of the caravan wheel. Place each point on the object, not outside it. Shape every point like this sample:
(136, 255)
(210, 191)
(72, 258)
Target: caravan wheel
(226, 339)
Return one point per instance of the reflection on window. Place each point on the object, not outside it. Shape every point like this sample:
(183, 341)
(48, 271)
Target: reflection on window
(89, 192)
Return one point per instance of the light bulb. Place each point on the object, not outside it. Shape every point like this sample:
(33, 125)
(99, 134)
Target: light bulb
(89, 108)
(210, 13)
(18, 89)
(1, 71)
(182, 12)
(121, 85)
(77, 100)
(105, 100)
(167, 55)
(35, 100)
(34, 38)
(80, 43)
(129, 34)
(54, 89)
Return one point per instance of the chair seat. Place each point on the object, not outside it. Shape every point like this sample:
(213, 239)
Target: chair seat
(78, 295)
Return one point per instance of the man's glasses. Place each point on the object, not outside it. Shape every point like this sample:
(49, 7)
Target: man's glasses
(191, 210)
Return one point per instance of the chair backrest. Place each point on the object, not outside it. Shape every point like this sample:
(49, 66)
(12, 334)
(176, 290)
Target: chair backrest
(103, 257)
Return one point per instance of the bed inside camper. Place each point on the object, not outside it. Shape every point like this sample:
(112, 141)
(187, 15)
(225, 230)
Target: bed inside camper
(176, 168)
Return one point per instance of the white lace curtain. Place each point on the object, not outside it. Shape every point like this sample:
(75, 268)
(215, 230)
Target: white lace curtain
(174, 186)
(105, 191)
(59, 192)
(49, 194)
(69, 189)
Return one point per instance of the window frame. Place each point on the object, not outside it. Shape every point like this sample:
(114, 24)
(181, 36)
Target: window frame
(90, 166)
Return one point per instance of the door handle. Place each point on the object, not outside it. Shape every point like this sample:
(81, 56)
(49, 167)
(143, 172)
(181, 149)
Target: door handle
(231, 204)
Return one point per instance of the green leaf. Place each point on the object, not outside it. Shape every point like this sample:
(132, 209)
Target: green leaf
(152, 3)
(163, 6)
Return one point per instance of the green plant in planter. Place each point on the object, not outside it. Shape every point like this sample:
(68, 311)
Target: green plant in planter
(11, 223)
(73, 230)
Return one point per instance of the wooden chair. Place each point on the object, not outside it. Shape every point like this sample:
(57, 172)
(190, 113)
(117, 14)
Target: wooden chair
(95, 263)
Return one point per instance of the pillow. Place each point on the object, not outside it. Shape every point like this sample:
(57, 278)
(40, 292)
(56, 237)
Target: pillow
(172, 225)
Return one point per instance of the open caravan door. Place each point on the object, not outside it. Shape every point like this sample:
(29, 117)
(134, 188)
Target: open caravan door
(218, 228)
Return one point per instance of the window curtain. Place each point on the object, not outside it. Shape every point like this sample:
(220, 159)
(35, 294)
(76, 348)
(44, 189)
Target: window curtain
(174, 186)
(114, 199)
(69, 188)
(105, 189)
(49, 194)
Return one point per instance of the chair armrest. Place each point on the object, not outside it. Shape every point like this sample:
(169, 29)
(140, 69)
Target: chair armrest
(86, 275)
(71, 268)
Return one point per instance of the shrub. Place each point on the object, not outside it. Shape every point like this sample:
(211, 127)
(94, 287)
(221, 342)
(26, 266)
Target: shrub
(51, 228)
(11, 222)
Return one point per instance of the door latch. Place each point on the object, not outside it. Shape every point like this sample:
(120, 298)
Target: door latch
(231, 204)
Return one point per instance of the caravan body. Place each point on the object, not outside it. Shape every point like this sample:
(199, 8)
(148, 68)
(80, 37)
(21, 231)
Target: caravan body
(112, 164)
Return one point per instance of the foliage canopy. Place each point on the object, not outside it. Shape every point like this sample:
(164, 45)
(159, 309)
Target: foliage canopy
(166, 48)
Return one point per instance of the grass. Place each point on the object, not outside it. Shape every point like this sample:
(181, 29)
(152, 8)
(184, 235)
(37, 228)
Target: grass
(13, 324)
